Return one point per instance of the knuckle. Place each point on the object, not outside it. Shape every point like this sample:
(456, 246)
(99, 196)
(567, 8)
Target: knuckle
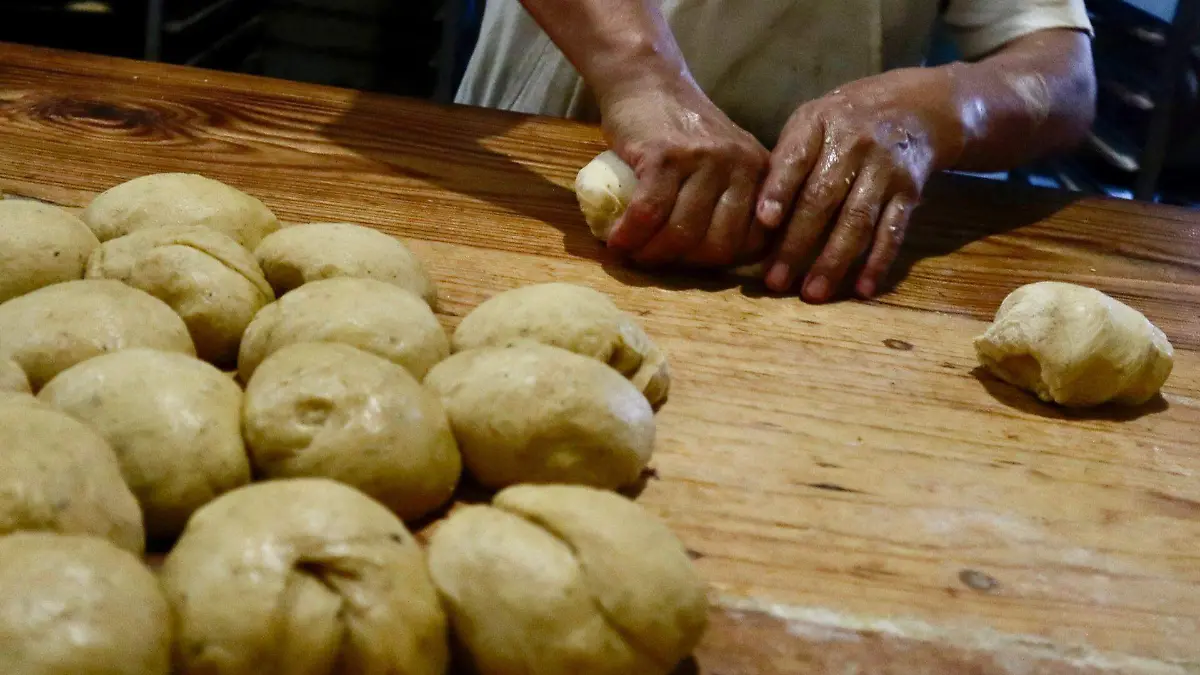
(860, 216)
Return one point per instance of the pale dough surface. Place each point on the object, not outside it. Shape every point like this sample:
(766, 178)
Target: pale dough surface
(40, 245)
(173, 421)
(299, 254)
(302, 576)
(75, 605)
(12, 378)
(563, 579)
(533, 413)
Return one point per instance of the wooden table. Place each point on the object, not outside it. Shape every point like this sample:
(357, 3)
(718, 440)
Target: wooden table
(860, 496)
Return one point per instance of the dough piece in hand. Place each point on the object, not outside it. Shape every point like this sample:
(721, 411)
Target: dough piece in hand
(575, 318)
(53, 328)
(302, 576)
(12, 378)
(72, 605)
(539, 414)
(57, 474)
(605, 187)
(1075, 346)
(563, 579)
(299, 254)
(163, 199)
(173, 421)
(374, 316)
(40, 245)
(333, 411)
(210, 280)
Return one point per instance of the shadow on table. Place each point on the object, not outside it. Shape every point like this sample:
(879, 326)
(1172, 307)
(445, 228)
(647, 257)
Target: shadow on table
(1021, 400)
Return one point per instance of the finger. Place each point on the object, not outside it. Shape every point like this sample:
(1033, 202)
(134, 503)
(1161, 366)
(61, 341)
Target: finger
(689, 220)
(826, 189)
(730, 222)
(791, 162)
(648, 211)
(888, 237)
(850, 237)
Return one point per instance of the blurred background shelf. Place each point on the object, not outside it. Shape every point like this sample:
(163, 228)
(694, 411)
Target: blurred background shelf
(1146, 142)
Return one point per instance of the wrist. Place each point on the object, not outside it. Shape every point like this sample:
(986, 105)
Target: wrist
(961, 118)
(636, 65)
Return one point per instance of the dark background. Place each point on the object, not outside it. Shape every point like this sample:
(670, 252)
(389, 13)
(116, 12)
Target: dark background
(1146, 143)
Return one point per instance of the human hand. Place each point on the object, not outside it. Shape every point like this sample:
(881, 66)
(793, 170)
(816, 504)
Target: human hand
(849, 170)
(698, 174)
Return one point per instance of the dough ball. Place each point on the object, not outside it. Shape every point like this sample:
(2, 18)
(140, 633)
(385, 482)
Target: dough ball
(210, 280)
(40, 245)
(604, 189)
(1075, 346)
(166, 199)
(173, 421)
(53, 328)
(297, 255)
(73, 605)
(375, 317)
(539, 414)
(302, 576)
(330, 410)
(575, 318)
(563, 579)
(58, 475)
(12, 378)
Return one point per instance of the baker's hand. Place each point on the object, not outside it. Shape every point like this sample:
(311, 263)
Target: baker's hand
(847, 173)
(698, 175)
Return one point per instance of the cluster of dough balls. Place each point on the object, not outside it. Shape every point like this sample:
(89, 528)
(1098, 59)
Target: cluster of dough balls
(173, 344)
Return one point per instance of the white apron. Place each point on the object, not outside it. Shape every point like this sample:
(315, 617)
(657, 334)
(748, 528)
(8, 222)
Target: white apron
(756, 59)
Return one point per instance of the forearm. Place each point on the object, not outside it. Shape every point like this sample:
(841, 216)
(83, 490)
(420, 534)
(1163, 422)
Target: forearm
(612, 43)
(1033, 98)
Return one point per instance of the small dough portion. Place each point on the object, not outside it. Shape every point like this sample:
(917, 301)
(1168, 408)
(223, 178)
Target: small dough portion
(210, 280)
(533, 413)
(164, 199)
(53, 328)
(302, 576)
(372, 315)
(40, 245)
(575, 318)
(12, 378)
(59, 475)
(299, 254)
(173, 421)
(567, 579)
(75, 605)
(1076, 347)
(333, 411)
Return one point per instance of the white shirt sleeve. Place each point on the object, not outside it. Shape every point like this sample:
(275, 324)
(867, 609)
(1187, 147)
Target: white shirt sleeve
(983, 26)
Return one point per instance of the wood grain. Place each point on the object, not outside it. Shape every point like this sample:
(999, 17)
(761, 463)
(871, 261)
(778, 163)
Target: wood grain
(861, 498)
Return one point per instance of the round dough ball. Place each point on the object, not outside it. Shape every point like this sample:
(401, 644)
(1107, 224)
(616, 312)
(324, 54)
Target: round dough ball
(163, 199)
(12, 378)
(173, 421)
(564, 579)
(1075, 346)
(210, 280)
(73, 605)
(302, 576)
(299, 254)
(57, 474)
(604, 189)
(575, 318)
(539, 414)
(40, 245)
(375, 317)
(330, 410)
(53, 328)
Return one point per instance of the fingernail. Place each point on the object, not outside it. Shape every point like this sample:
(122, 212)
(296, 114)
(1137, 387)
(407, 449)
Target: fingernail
(779, 277)
(770, 212)
(818, 288)
(866, 288)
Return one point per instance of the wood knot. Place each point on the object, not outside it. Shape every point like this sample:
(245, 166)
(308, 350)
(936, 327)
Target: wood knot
(93, 113)
(978, 581)
(898, 345)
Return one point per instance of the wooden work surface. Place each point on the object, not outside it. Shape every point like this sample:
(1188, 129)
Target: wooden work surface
(861, 499)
